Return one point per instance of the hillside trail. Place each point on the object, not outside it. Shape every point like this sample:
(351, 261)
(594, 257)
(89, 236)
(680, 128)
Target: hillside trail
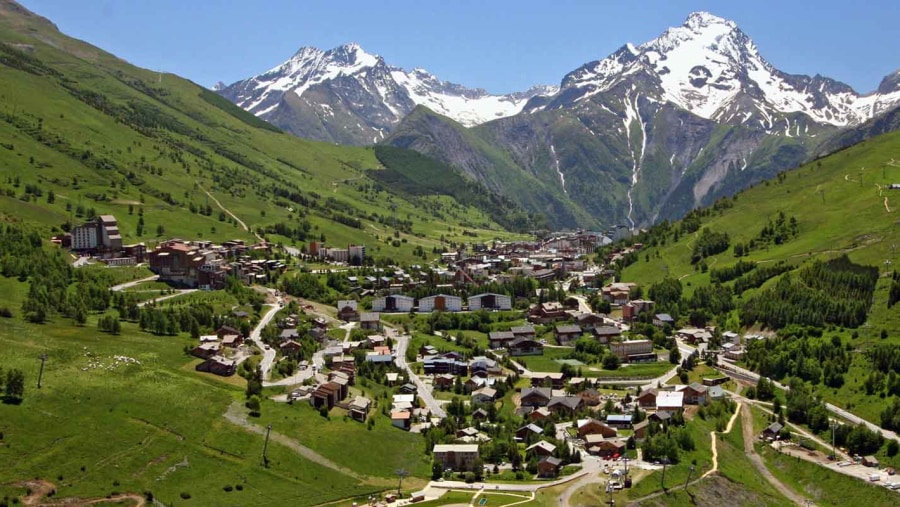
(228, 212)
(713, 440)
(821, 252)
(779, 486)
(715, 462)
(40, 489)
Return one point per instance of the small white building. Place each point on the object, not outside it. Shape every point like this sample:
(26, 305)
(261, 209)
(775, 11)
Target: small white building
(669, 401)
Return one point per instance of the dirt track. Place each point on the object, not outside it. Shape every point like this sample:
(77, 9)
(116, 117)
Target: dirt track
(757, 461)
(40, 489)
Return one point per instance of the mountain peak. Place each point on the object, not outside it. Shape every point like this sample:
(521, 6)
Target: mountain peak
(702, 19)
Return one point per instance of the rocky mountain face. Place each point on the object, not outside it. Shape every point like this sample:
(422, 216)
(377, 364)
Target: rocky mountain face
(349, 96)
(645, 134)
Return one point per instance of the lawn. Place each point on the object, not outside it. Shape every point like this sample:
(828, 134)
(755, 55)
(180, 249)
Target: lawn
(450, 497)
(637, 370)
(547, 362)
(375, 452)
(700, 372)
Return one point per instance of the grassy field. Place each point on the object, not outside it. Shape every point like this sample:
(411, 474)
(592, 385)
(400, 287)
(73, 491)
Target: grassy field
(375, 452)
(99, 425)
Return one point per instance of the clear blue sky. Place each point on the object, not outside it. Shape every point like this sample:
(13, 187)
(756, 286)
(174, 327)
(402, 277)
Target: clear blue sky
(498, 45)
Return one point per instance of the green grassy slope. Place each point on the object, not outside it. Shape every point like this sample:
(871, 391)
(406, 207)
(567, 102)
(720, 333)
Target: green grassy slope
(843, 205)
(107, 137)
(96, 427)
(834, 210)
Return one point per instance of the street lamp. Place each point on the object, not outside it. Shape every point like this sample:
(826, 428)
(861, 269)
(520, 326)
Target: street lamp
(401, 473)
(833, 449)
(686, 481)
(266, 446)
(665, 462)
(41, 374)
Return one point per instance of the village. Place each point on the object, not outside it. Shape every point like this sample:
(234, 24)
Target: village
(524, 380)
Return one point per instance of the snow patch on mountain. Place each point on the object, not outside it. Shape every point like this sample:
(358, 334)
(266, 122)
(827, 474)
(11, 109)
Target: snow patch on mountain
(467, 106)
(398, 90)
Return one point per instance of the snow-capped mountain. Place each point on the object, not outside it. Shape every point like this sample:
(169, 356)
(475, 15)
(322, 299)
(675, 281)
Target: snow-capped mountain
(647, 133)
(709, 67)
(361, 95)
(654, 130)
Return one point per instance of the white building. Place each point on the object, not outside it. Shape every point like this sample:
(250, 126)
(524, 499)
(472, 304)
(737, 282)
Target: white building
(103, 232)
(490, 302)
(456, 456)
(628, 348)
(440, 302)
(84, 237)
(395, 303)
(669, 401)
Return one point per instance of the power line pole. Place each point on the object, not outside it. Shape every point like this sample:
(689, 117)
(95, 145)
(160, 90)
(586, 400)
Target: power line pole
(266, 446)
(41, 374)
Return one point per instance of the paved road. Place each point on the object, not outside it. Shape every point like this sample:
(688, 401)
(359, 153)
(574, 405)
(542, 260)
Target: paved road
(734, 370)
(268, 352)
(590, 468)
(167, 296)
(123, 286)
(318, 359)
(402, 343)
(507, 487)
(81, 261)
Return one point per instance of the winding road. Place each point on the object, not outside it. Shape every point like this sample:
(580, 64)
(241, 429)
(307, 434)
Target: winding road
(228, 212)
(268, 352)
